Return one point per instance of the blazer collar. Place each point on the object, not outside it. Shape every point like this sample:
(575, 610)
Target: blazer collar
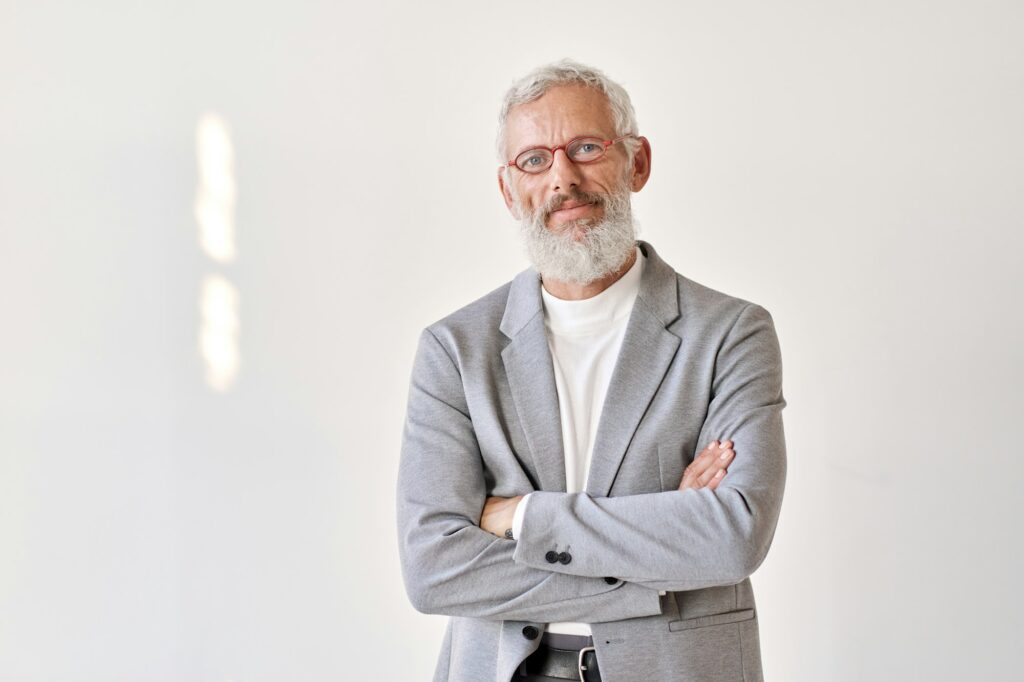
(647, 351)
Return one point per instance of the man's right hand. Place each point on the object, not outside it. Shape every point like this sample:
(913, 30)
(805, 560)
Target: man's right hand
(708, 468)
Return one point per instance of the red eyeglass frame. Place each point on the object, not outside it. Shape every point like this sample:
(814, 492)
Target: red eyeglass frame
(606, 143)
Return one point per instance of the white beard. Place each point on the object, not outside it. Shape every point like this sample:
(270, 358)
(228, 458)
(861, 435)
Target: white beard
(600, 250)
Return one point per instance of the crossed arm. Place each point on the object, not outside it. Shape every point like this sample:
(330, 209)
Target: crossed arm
(452, 566)
(707, 470)
(676, 540)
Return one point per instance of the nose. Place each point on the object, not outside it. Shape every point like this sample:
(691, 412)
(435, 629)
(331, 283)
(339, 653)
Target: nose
(565, 175)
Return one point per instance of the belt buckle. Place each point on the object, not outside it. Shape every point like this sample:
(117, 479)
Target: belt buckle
(580, 667)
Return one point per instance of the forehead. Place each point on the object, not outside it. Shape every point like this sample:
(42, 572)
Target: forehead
(562, 112)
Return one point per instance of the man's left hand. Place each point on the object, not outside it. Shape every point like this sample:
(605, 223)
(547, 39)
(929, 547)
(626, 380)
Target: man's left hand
(498, 514)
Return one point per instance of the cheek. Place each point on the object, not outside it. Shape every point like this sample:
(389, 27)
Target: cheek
(610, 179)
(530, 197)
(596, 182)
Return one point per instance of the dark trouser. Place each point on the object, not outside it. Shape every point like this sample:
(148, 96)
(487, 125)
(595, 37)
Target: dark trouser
(554, 640)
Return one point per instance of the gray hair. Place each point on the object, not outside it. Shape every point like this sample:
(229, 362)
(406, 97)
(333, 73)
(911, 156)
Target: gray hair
(567, 72)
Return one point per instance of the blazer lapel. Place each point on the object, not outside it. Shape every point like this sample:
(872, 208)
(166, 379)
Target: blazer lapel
(647, 351)
(531, 379)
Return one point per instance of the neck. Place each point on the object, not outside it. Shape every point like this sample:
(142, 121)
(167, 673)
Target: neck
(571, 291)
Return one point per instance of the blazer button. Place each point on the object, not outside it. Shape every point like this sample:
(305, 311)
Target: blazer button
(611, 581)
(530, 632)
(565, 557)
(551, 557)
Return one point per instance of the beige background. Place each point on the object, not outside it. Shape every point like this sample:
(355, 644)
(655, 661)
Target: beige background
(854, 167)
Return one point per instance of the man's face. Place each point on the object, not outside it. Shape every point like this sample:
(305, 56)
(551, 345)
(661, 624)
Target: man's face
(576, 220)
(561, 114)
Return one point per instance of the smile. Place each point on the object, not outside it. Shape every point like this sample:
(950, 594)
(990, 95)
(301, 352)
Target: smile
(571, 205)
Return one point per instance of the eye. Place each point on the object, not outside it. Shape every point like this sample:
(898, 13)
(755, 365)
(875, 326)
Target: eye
(533, 160)
(589, 149)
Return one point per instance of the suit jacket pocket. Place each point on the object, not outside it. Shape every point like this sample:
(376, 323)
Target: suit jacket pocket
(714, 619)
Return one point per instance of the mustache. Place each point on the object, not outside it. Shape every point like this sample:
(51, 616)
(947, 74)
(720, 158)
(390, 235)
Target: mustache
(578, 196)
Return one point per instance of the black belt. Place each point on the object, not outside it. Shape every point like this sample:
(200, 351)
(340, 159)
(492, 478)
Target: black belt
(565, 657)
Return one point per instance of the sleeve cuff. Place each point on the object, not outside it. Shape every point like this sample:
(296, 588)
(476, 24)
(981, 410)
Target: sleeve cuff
(517, 519)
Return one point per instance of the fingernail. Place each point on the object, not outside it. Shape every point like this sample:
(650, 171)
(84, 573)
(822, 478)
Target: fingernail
(721, 472)
(725, 454)
(712, 443)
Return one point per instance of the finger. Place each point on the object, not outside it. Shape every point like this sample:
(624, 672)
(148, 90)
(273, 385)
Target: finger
(706, 462)
(717, 464)
(698, 466)
(709, 464)
(716, 479)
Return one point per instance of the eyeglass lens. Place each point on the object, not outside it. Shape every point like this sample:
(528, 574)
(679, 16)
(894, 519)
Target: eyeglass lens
(583, 150)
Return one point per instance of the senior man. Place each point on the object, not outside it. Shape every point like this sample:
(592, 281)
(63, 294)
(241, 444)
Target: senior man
(562, 492)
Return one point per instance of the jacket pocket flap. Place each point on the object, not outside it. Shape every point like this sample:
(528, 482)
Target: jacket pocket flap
(714, 619)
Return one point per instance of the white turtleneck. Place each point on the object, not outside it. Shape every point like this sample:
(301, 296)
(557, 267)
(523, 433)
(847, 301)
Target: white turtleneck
(584, 338)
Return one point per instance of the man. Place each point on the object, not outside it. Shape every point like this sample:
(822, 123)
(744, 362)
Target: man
(561, 492)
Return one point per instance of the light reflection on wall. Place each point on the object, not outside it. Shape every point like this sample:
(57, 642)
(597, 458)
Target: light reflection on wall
(215, 215)
(215, 196)
(218, 332)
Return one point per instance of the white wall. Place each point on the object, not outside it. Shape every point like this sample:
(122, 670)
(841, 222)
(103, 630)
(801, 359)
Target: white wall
(854, 167)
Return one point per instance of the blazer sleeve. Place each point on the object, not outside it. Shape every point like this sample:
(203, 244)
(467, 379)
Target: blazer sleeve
(690, 539)
(449, 564)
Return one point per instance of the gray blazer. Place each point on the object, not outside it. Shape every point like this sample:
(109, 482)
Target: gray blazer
(483, 420)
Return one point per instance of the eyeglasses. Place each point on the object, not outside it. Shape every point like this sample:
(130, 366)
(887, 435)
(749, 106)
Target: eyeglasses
(579, 150)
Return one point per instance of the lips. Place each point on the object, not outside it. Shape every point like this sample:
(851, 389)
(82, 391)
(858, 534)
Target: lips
(570, 204)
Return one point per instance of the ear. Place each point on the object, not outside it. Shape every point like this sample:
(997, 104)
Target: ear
(641, 165)
(506, 193)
